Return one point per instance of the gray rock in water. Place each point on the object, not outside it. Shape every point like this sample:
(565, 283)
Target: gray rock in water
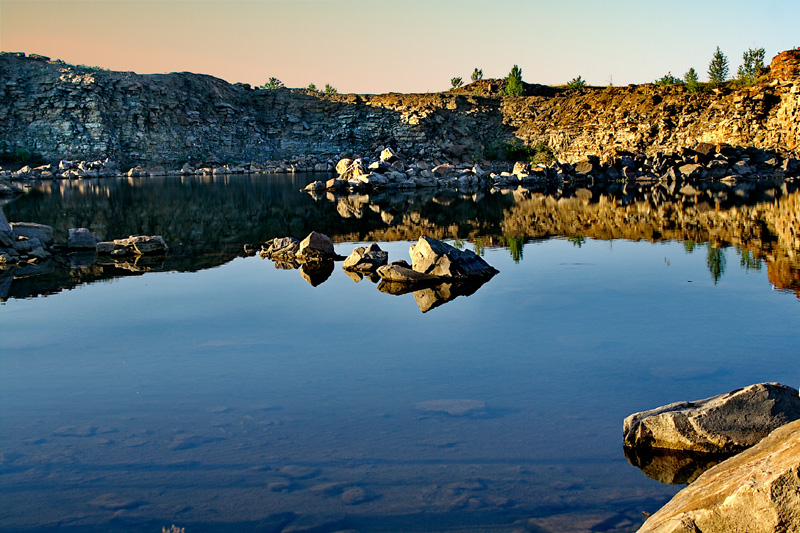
(436, 258)
(722, 424)
(316, 247)
(282, 248)
(135, 245)
(82, 239)
(401, 272)
(757, 491)
(366, 259)
(31, 230)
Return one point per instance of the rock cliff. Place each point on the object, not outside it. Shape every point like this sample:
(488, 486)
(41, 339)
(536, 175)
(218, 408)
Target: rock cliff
(76, 112)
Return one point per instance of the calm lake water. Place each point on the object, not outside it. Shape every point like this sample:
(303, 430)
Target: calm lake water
(215, 392)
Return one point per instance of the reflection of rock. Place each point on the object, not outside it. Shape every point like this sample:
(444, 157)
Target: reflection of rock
(316, 273)
(82, 239)
(431, 297)
(286, 265)
(366, 259)
(726, 423)
(756, 491)
(670, 466)
(440, 259)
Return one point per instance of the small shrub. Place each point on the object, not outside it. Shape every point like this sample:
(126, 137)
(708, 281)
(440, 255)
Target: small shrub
(273, 83)
(477, 75)
(668, 79)
(576, 83)
(477, 91)
(718, 68)
(313, 88)
(455, 83)
(330, 89)
(21, 157)
(514, 151)
(514, 85)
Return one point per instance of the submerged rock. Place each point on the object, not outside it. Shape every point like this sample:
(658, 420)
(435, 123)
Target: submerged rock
(757, 491)
(722, 424)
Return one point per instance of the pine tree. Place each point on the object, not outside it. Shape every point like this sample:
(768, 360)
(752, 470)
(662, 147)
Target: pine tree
(718, 68)
(330, 89)
(692, 82)
(514, 85)
(752, 63)
(477, 75)
(456, 82)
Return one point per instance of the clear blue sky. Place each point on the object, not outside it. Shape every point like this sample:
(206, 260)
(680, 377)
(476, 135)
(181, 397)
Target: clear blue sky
(374, 46)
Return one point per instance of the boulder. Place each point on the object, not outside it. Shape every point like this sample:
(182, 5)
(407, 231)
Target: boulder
(722, 424)
(401, 272)
(135, 244)
(437, 258)
(388, 156)
(316, 247)
(281, 248)
(756, 491)
(366, 259)
(31, 230)
(82, 239)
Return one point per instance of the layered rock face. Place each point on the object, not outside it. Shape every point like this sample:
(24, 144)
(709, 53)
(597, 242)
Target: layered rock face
(64, 111)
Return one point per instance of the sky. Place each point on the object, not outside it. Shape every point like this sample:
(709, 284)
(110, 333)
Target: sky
(408, 46)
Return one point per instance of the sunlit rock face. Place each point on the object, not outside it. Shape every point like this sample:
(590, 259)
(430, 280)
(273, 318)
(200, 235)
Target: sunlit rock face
(755, 491)
(163, 120)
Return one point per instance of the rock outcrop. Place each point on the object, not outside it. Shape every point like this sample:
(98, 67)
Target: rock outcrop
(76, 113)
(134, 245)
(722, 424)
(439, 259)
(366, 259)
(756, 491)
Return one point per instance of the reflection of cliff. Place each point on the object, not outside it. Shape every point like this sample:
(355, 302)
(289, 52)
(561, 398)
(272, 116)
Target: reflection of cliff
(206, 221)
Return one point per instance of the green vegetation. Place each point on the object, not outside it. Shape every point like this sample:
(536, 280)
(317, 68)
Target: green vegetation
(477, 91)
(577, 240)
(691, 80)
(514, 85)
(455, 83)
(477, 75)
(20, 157)
(515, 150)
(748, 260)
(718, 69)
(515, 246)
(751, 67)
(668, 79)
(273, 83)
(313, 88)
(715, 262)
(576, 83)
(330, 89)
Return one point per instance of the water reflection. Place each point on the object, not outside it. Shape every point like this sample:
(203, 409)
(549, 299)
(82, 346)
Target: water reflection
(206, 220)
(672, 467)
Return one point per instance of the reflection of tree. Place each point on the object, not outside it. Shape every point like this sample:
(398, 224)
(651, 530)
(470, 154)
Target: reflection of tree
(748, 260)
(715, 262)
(577, 241)
(689, 246)
(515, 245)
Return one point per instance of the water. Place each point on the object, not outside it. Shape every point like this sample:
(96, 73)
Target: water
(239, 397)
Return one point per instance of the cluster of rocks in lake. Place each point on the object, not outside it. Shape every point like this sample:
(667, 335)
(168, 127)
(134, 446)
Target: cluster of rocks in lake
(437, 274)
(720, 162)
(26, 249)
(737, 451)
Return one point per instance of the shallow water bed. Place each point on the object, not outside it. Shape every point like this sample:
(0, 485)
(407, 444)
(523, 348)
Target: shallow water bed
(242, 397)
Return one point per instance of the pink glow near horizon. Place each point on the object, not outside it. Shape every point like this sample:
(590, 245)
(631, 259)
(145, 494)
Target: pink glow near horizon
(373, 46)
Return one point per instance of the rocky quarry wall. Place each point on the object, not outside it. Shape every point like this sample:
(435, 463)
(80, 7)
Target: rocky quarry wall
(63, 111)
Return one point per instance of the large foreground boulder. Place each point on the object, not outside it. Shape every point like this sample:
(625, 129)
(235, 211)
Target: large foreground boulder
(722, 424)
(439, 259)
(31, 230)
(316, 247)
(756, 491)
